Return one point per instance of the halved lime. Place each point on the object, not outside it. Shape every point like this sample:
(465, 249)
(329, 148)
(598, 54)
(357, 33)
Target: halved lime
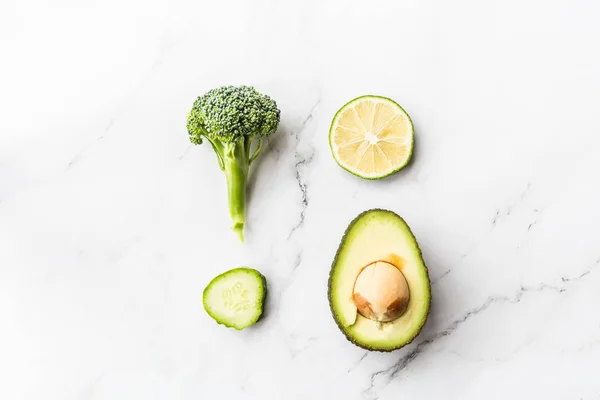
(371, 137)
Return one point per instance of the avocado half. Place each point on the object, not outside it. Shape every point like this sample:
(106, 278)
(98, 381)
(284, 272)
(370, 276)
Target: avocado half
(379, 290)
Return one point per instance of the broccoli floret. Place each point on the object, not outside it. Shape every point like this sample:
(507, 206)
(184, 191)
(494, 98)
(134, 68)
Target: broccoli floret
(234, 120)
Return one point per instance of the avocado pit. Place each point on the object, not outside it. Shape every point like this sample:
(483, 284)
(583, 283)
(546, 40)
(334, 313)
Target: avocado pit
(381, 292)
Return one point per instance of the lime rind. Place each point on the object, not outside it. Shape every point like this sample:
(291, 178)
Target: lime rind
(410, 144)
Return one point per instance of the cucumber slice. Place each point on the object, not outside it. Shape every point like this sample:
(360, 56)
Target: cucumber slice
(236, 297)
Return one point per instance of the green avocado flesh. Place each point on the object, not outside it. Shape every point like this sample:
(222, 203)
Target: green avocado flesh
(236, 297)
(378, 235)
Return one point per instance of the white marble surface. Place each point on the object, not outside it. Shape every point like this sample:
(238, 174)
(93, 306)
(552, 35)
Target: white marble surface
(111, 224)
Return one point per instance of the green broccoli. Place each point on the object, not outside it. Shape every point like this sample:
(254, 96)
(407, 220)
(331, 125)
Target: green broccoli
(232, 118)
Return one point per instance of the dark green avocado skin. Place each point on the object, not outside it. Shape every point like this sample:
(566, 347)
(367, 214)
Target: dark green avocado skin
(335, 317)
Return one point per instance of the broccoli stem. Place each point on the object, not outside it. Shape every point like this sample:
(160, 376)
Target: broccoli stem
(236, 164)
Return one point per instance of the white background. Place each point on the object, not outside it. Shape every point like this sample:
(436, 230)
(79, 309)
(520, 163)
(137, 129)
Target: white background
(111, 223)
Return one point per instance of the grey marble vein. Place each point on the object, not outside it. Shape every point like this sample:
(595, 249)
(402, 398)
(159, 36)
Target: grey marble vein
(75, 159)
(299, 344)
(402, 363)
(185, 153)
(442, 276)
(589, 344)
(304, 191)
(357, 363)
(302, 162)
(298, 261)
(495, 219)
(89, 390)
(509, 209)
